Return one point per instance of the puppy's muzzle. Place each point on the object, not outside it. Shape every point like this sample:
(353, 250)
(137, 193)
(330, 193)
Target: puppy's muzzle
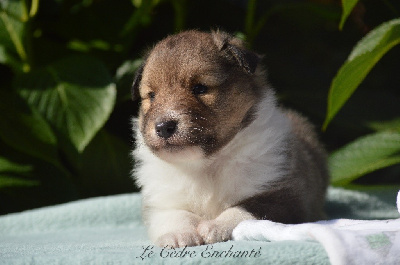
(166, 129)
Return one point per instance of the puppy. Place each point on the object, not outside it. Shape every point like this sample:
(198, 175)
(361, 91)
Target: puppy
(214, 149)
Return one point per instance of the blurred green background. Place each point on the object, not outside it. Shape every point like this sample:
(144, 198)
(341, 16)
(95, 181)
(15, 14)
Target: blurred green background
(66, 68)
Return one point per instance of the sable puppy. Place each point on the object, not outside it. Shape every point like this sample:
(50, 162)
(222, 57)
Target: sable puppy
(214, 149)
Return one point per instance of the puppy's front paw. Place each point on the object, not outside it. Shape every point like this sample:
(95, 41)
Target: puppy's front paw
(179, 240)
(213, 231)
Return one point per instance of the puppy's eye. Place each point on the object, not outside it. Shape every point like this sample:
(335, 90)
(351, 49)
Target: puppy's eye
(199, 89)
(151, 95)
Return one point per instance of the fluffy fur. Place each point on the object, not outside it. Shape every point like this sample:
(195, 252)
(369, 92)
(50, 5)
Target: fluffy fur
(271, 167)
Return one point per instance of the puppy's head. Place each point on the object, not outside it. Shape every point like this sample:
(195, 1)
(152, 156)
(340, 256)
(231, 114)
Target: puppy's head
(197, 91)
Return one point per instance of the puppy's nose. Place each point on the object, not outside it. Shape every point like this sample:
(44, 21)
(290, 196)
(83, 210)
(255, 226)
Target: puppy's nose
(166, 129)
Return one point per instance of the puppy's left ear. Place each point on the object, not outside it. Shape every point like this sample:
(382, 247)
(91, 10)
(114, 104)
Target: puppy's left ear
(234, 48)
(136, 82)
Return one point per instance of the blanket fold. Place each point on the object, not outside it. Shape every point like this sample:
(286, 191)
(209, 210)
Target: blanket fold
(346, 241)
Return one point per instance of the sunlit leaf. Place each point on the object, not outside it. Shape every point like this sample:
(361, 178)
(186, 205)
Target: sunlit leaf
(360, 62)
(363, 156)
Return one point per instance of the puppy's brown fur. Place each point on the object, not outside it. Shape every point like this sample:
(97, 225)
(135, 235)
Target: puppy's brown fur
(176, 65)
(214, 149)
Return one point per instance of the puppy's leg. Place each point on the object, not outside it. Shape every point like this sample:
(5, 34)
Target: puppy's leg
(174, 228)
(220, 229)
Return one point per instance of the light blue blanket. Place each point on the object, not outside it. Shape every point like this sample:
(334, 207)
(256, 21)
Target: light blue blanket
(108, 230)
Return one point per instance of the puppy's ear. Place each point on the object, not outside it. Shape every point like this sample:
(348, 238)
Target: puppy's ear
(234, 48)
(136, 82)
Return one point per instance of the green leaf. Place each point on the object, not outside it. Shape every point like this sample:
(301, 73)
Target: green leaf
(363, 156)
(8, 181)
(141, 16)
(8, 169)
(24, 129)
(123, 79)
(347, 6)
(9, 166)
(392, 125)
(76, 96)
(12, 28)
(11, 22)
(361, 60)
(11, 59)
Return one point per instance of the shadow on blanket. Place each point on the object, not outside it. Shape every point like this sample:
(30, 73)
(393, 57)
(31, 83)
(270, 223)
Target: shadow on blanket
(108, 230)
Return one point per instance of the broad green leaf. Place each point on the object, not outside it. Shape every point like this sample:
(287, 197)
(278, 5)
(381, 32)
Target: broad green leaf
(363, 156)
(361, 60)
(75, 95)
(347, 6)
(24, 129)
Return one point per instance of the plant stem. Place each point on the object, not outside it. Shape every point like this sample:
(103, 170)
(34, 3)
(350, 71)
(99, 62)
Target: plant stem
(34, 8)
(249, 21)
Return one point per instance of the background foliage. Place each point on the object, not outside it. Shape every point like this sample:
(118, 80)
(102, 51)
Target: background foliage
(66, 67)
